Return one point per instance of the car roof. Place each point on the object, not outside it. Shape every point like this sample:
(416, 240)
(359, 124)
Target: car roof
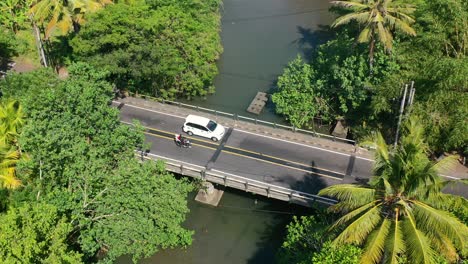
(197, 119)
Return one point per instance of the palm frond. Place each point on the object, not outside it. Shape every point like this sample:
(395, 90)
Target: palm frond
(365, 35)
(350, 4)
(395, 244)
(375, 243)
(437, 221)
(8, 178)
(359, 17)
(418, 248)
(353, 195)
(446, 248)
(358, 230)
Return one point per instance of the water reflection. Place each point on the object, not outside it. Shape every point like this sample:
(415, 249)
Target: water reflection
(244, 228)
(259, 38)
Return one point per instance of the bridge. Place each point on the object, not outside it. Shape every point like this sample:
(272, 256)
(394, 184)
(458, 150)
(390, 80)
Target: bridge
(255, 156)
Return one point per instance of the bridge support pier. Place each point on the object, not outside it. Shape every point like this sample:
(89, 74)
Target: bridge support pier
(209, 194)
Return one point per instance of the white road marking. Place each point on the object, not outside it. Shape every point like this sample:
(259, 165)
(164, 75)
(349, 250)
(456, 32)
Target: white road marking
(287, 141)
(450, 177)
(291, 142)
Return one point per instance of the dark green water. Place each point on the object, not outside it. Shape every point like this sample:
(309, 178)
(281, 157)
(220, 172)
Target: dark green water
(244, 228)
(259, 38)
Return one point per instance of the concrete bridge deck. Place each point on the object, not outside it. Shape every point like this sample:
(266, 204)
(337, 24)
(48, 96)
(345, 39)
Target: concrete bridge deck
(252, 157)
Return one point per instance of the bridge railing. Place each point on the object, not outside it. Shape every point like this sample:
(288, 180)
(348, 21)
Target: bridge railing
(242, 183)
(237, 117)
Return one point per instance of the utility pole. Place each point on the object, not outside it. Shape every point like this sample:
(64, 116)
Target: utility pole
(402, 108)
(40, 46)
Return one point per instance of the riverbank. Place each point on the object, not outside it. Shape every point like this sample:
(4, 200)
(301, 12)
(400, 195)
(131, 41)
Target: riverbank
(244, 228)
(259, 38)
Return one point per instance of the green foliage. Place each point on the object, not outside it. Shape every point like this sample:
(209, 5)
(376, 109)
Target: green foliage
(402, 212)
(25, 86)
(346, 254)
(305, 236)
(13, 14)
(297, 99)
(11, 122)
(336, 83)
(7, 47)
(35, 234)
(141, 211)
(63, 16)
(379, 19)
(168, 51)
(436, 59)
(307, 241)
(82, 161)
(71, 124)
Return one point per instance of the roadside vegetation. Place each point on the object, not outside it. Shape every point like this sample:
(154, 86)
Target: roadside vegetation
(72, 191)
(399, 216)
(377, 48)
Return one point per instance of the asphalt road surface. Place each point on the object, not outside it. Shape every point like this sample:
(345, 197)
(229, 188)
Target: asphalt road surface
(284, 163)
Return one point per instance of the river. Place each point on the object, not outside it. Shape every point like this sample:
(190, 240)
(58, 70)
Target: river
(244, 228)
(259, 37)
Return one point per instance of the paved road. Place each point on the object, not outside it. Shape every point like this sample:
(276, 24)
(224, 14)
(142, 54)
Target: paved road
(285, 163)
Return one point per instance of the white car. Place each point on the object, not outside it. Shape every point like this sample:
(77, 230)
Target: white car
(204, 127)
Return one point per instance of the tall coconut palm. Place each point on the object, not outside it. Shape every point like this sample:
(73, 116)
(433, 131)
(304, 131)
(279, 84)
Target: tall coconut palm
(378, 18)
(9, 157)
(65, 15)
(399, 213)
(11, 121)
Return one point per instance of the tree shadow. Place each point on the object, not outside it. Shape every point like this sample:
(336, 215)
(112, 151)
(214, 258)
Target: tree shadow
(272, 236)
(311, 39)
(7, 52)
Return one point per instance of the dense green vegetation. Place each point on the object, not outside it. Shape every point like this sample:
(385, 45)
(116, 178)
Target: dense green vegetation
(81, 164)
(72, 190)
(400, 216)
(342, 85)
(165, 49)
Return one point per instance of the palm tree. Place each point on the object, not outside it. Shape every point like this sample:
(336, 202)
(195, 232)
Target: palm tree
(66, 15)
(11, 121)
(399, 214)
(378, 18)
(9, 157)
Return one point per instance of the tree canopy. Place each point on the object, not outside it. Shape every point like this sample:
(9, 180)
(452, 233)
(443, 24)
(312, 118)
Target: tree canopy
(165, 50)
(82, 162)
(35, 233)
(400, 214)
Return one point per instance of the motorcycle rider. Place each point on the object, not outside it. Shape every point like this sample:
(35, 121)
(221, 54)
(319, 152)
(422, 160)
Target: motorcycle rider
(181, 141)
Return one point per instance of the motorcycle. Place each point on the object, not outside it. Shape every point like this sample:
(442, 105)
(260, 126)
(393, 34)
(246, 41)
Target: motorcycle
(182, 141)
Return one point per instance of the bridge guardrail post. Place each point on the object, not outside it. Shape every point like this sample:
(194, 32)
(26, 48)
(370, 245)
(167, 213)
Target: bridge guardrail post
(225, 180)
(182, 169)
(203, 174)
(291, 196)
(294, 129)
(274, 125)
(246, 185)
(268, 191)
